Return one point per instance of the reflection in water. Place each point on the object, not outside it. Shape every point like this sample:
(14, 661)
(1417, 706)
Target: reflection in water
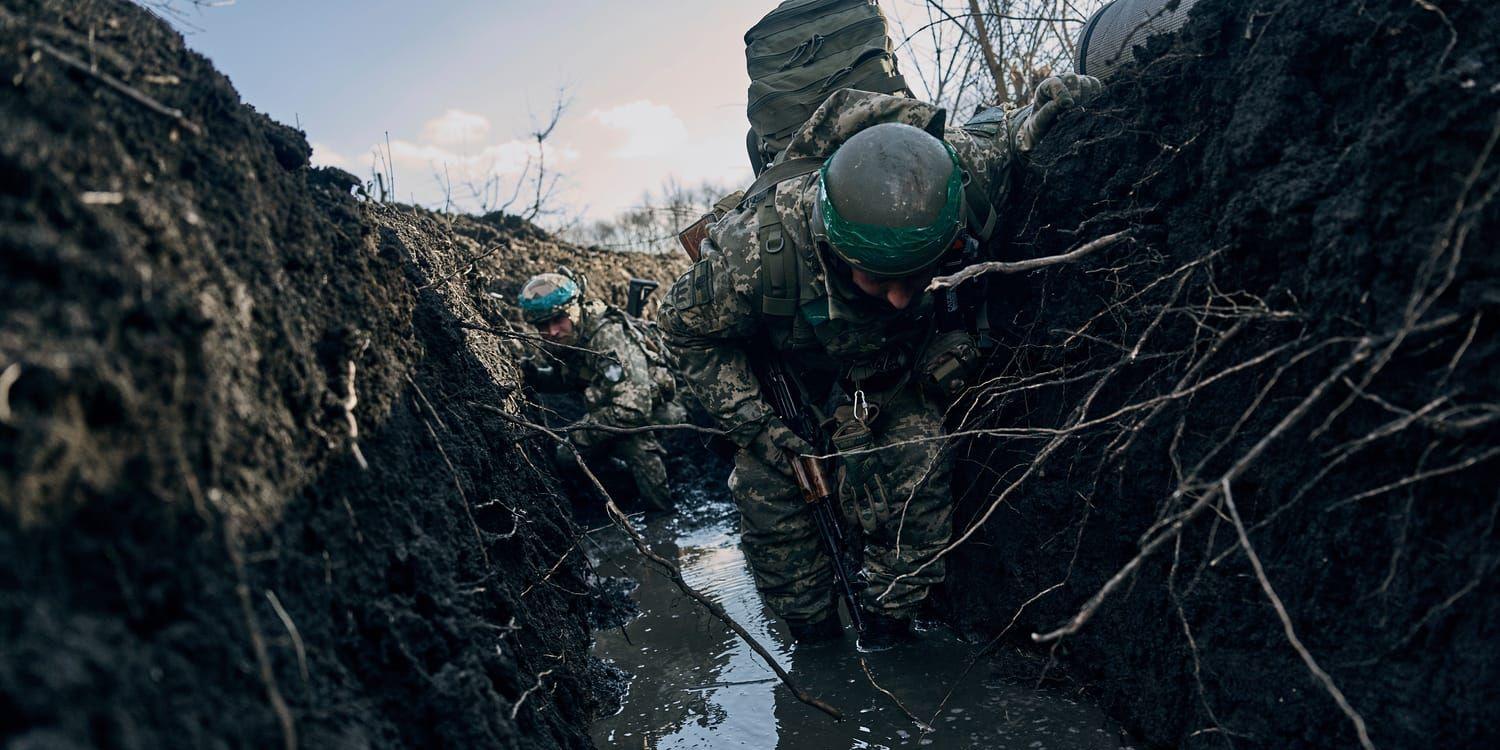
(697, 686)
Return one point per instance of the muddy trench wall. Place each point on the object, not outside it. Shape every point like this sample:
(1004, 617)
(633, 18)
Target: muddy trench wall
(253, 485)
(1302, 320)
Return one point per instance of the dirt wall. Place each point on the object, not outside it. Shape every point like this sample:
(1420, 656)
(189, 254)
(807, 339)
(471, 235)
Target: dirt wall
(253, 485)
(1302, 321)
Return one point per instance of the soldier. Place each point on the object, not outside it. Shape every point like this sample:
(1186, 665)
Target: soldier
(829, 269)
(601, 352)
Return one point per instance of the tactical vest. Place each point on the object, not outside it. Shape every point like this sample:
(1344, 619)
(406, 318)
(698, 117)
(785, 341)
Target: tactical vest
(657, 360)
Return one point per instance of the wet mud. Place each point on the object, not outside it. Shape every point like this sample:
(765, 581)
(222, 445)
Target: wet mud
(693, 684)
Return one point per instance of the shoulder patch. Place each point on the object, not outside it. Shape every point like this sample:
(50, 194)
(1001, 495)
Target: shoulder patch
(696, 287)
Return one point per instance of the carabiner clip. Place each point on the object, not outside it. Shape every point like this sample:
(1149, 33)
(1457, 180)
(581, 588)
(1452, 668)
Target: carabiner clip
(861, 407)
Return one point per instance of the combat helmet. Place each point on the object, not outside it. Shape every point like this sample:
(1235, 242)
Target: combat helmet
(890, 200)
(547, 295)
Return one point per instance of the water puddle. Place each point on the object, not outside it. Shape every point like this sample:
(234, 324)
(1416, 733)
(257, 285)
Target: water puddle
(696, 685)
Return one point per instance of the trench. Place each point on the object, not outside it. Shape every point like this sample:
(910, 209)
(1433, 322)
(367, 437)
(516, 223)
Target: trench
(693, 684)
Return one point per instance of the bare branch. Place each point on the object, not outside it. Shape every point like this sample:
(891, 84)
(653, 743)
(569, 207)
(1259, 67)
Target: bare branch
(1021, 266)
(672, 571)
(991, 59)
(922, 725)
(119, 86)
(1286, 623)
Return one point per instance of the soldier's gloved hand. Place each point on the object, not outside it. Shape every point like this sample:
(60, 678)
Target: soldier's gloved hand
(952, 361)
(584, 438)
(1054, 96)
(531, 368)
(773, 441)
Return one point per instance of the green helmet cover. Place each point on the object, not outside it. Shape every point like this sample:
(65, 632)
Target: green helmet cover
(893, 251)
(547, 295)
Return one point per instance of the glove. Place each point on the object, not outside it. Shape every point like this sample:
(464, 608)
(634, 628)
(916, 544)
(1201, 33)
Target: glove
(1054, 96)
(952, 360)
(533, 368)
(585, 439)
(773, 441)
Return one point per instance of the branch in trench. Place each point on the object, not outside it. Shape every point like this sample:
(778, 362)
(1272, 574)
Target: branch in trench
(351, 400)
(291, 629)
(258, 641)
(922, 725)
(533, 338)
(466, 267)
(516, 709)
(1077, 417)
(8, 379)
(1286, 623)
(119, 86)
(613, 430)
(1086, 613)
(1021, 266)
(452, 470)
(985, 650)
(672, 571)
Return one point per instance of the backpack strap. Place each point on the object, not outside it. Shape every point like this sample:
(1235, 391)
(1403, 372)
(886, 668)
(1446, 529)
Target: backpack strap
(778, 264)
(979, 214)
(780, 172)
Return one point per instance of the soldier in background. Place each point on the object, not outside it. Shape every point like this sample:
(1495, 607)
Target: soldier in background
(602, 353)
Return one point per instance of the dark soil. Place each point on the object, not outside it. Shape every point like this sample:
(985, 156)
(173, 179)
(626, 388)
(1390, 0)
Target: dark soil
(1308, 176)
(187, 538)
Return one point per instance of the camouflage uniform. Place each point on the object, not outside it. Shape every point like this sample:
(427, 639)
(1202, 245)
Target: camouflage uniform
(624, 384)
(838, 341)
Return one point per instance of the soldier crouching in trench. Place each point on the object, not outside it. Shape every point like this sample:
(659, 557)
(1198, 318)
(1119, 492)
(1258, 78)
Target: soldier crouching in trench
(601, 353)
(826, 271)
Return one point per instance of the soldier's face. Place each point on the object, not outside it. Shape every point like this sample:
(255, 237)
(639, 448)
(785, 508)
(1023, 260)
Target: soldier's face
(898, 293)
(557, 329)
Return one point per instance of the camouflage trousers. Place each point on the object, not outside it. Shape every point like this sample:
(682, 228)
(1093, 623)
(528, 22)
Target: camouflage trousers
(642, 454)
(894, 493)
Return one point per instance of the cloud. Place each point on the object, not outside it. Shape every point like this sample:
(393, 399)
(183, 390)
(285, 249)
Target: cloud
(452, 163)
(456, 128)
(651, 130)
(509, 158)
(323, 156)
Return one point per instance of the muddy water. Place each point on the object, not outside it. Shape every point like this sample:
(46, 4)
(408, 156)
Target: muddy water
(696, 685)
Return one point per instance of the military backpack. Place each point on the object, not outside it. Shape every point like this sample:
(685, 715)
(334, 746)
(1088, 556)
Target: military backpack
(805, 50)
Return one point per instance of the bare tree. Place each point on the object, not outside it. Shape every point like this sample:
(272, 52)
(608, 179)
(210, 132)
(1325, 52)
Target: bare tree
(545, 185)
(651, 225)
(971, 54)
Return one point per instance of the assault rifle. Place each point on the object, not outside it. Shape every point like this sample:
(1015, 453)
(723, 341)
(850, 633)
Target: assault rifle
(811, 475)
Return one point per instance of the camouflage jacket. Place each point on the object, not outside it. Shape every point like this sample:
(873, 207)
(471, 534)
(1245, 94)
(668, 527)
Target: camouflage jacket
(713, 313)
(611, 363)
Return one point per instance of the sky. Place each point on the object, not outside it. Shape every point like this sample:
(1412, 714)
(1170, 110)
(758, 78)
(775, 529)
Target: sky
(656, 88)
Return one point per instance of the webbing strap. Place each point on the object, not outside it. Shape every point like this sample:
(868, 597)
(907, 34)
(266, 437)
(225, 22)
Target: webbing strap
(778, 264)
(787, 170)
(982, 228)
